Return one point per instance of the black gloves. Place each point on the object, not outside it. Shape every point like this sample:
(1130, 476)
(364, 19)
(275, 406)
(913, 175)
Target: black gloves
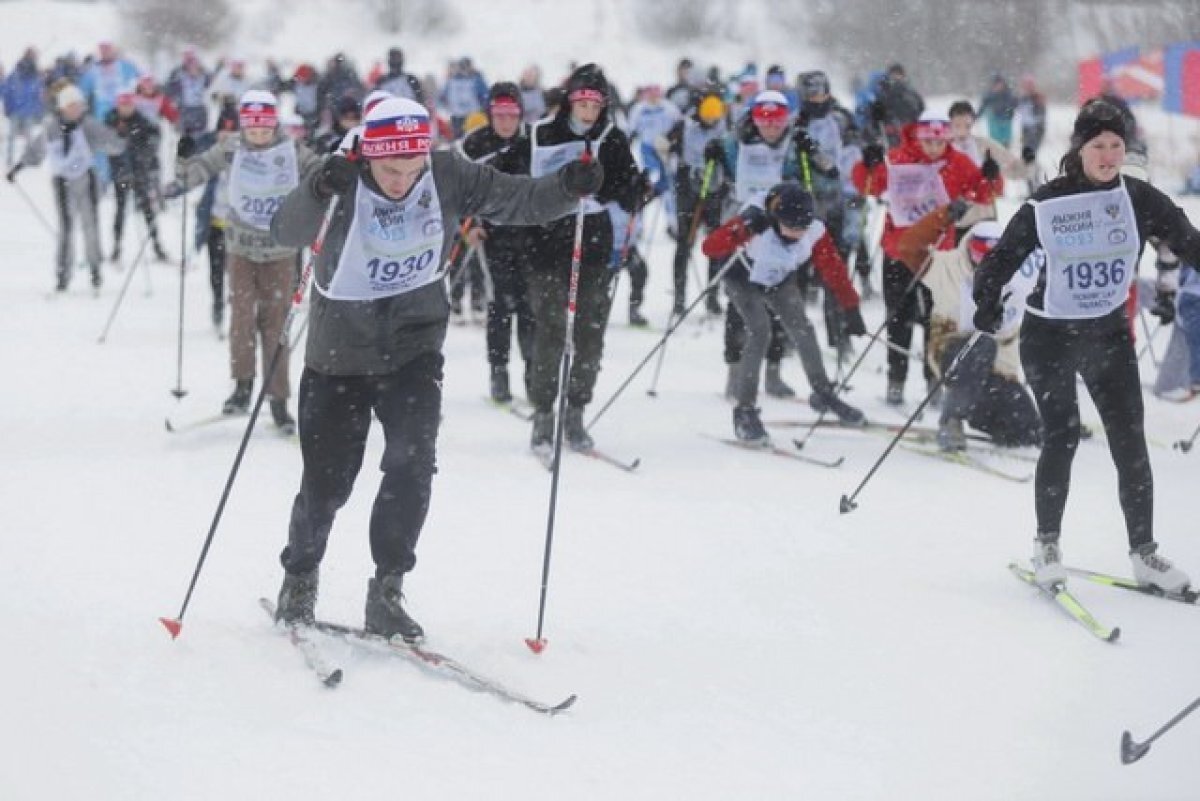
(872, 156)
(186, 147)
(756, 219)
(11, 175)
(855, 326)
(714, 150)
(988, 317)
(1027, 155)
(958, 209)
(1164, 307)
(990, 168)
(337, 175)
(581, 178)
(806, 144)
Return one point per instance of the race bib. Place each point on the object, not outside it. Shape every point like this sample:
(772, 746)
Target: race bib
(259, 180)
(914, 190)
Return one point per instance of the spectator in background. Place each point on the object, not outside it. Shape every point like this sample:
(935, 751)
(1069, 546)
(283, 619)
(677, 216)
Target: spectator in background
(533, 99)
(186, 85)
(230, 81)
(397, 82)
(998, 106)
(777, 80)
(896, 104)
(465, 91)
(1031, 111)
(23, 100)
(683, 92)
(105, 78)
(340, 80)
(303, 87)
(152, 103)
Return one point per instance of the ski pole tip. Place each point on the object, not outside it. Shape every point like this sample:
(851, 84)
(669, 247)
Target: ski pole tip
(846, 505)
(1132, 751)
(536, 645)
(172, 625)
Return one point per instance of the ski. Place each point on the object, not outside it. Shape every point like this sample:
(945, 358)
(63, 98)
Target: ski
(179, 428)
(517, 408)
(300, 636)
(1185, 596)
(1069, 604)
(785, 453)
(601, 456)
(442, 666)
(967, 459)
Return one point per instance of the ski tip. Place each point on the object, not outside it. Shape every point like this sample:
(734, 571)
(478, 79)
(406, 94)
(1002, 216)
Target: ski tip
(333, 679)
(565, 705)
(635, 464)
(1132, 751)
(172, 625)
(1114, 635)
(846, 505)
(536, 645)
(167, 423)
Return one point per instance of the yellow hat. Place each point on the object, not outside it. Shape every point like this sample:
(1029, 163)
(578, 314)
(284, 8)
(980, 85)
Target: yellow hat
(474, 121)
(711, 109)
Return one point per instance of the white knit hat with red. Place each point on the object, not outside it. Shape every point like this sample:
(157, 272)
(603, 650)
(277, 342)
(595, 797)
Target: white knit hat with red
(396, 127)
(258, 108)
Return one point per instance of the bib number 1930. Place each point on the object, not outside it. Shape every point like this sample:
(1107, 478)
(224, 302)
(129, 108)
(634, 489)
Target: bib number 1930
(1094, 275)
(389, 271)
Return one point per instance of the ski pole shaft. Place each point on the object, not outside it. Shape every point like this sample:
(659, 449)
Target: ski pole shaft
(848, 504)
(179, 391)
(175, 625)
(124, 288)
(841, 387)
(538, 643)
(663, 341)
(1149, 337)
(689, 243)
(1132, 751)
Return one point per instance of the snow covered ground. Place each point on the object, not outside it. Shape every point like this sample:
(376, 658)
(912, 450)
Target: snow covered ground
(729, 633)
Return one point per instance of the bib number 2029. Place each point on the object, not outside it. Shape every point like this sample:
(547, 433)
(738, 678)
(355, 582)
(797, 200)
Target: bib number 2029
(388, 271)
(1094, 274)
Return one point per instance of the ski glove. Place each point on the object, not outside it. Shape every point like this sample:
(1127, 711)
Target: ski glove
(855, 326)
(958, 209)
(11, 175)
(185, 148)
(1027, 155)
(756, 219)
(872, 156)
(990, 168)
(337, 175)
(580, 178)
(988, 317)
(1164, 307)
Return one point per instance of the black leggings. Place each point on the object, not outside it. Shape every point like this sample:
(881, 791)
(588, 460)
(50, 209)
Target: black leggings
(1100, 351)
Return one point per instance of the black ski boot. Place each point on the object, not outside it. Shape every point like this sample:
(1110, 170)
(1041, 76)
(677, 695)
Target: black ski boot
(826, 400)
(636, 318)
(160, 254)
(283, 419)
(748, 427)
(499, 385)
(298, 599)
(542, 436)
(239, 401)
(773, 383)
(577, 436)
(385, 614)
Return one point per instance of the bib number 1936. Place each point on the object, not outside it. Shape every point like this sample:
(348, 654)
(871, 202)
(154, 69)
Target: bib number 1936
(1094, 275)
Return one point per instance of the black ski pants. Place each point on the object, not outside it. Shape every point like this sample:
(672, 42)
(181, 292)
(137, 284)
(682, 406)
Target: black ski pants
(335, 415)
(1101, 351)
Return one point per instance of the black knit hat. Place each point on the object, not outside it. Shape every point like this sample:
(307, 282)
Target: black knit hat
(505, 91)
(1096, 117)
(791, 206)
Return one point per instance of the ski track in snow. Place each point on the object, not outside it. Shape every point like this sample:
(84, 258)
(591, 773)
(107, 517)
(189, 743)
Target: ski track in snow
(729, 633)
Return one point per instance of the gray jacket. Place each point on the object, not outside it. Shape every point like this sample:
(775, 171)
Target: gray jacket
(100, 138)
(377, 337)
(241, 239)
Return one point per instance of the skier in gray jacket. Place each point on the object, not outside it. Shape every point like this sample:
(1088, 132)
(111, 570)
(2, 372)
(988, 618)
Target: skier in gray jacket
(376, 328)
(70, 142)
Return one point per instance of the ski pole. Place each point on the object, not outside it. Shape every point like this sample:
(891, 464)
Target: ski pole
(666, 335)
(179, 391)
(1149, 338)
(36, 211)
(1150, 344)
(1132, 751)
(690, 243)
(841, 387)
(847, 504)
(124, 288)
(175, 624)
(1185, 445)
(537, 643)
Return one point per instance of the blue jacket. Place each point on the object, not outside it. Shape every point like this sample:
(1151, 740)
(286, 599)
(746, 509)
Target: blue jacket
(23, 92)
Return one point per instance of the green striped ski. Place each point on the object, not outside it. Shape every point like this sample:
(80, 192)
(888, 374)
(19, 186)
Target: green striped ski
(1185, 596)
(1069, 604)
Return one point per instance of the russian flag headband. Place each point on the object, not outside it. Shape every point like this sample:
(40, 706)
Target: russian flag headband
(258, 115)
(407, 135)
(595, 95)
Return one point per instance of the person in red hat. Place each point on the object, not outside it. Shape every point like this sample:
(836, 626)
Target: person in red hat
(377, 326)
(262, 164)
(921, 174)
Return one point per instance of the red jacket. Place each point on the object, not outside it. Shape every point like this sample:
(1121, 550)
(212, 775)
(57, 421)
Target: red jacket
(960, 176)
(735, 233)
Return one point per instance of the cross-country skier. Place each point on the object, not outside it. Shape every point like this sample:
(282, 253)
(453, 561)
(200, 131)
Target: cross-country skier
(378, 322)
(1092, 223)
